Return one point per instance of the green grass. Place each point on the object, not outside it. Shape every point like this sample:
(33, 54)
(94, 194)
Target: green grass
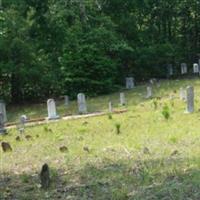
(151, 157)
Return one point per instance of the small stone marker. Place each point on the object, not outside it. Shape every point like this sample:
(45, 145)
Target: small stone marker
(122, 99)
(45, 176)
(6, 147)
(2, 124)
(183, 68)
(182, 94)
(149, 92)
(51, 107)
(110, 109)
(170, 71)
(130, 83)
(82, 107)
(66, 100)
(195, 68)
(190, 99)
(3, 110)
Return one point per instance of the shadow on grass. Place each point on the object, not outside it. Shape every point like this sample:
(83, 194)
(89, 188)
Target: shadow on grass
(166, 179)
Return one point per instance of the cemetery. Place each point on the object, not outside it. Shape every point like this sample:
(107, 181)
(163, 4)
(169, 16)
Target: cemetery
(99, 100)
(150, 148)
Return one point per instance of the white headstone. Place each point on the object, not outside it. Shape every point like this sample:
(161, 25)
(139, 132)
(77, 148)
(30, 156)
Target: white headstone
(3, 110)
(182, 94)
(130, 83)
(183, 68)
(190, 99)
(2, 124)
(110, 109)
(66, 100)
(122, 99)
(195, 68)
(51, 107)
(149, 92)
(82, 107)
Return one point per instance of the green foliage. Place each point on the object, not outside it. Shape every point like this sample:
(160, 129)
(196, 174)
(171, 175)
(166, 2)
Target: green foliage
(50, 48)
(166, 112)
(118, 128)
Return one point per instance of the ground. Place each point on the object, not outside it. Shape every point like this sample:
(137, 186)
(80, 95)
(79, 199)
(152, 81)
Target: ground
(137, 155)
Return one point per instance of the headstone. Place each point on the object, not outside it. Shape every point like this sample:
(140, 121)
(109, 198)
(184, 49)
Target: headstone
(182, 94)
(149, 92)
(183, 68)
(66, 100)
(3, 110)
(110, 109)
(51, 107)
(23, 119)
(45, 176)
(130, 83)
(122, 99)
(2, 124)
(195, 68)
(190, 99)
(82, 107)
(170, 70)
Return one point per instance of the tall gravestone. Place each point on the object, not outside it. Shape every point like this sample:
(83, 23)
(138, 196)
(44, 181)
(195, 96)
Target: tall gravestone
(195, 68)
(122, 99)
(149, 92)
(82, 106)
(183, 68)
(182, 94)
(190, 99)
(170, 70)
(3, 110)
(130, 83)
(110, 108)
(51, 107)
(2, 124)
(66, 100)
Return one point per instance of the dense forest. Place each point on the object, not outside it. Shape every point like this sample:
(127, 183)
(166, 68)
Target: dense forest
(57, 47)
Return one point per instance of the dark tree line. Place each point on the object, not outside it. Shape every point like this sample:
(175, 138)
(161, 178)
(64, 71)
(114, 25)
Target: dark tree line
(55, 47)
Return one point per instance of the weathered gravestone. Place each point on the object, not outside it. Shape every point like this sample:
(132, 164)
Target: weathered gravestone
(190, 99)
(149, 92)
(110, 109)
(170, 71)
(195, 68)
(82, 106)
(130, 83)
(3, 110)
(2, 124)
(182, 94)
(66, 100)
(183, 68)
(122, 99)
(51, 107)
(45, 176)
(23, 119)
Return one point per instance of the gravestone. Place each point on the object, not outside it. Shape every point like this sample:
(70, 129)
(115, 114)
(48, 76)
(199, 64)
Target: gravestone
(190, 99)
(130, 83)
(3, 110)
(82, 107)
(170, 71)
(110, 109)
(23, 119)
(149, 92)
(182, 94)
(66, 100)
(195, 68)
(2, 124)
(122, 99)
(183, 68)
(51, 107)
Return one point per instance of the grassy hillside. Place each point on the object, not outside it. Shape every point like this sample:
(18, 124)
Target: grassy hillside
(149, 158)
